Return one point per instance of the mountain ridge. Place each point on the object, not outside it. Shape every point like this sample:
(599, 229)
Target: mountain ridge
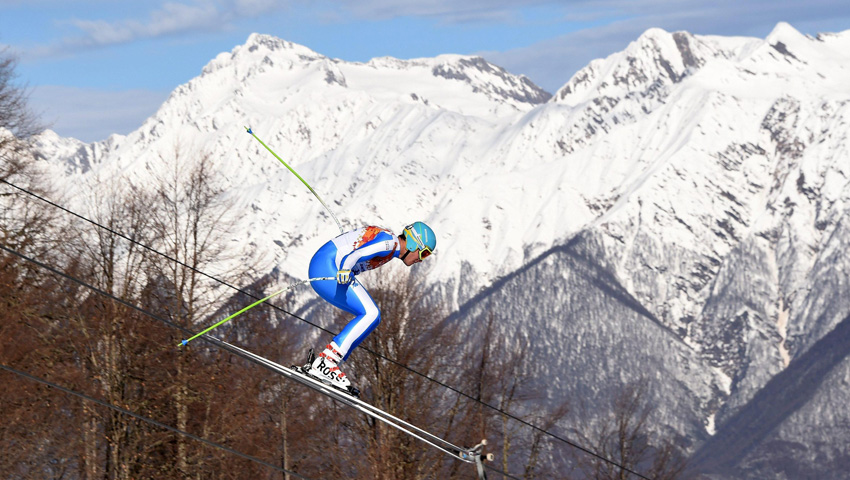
(702, 175)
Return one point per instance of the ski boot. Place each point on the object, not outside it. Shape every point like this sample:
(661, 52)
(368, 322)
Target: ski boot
(325, 368)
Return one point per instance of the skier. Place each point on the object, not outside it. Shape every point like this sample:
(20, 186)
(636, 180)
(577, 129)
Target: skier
(344, 257)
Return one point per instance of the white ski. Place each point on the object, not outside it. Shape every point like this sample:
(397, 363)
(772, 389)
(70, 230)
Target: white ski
(469, 455)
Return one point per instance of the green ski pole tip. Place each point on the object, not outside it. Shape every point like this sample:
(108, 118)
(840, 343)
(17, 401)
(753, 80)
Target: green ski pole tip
(248, 129)
(184, 342)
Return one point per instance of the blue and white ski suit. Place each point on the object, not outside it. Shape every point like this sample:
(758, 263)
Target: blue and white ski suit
(358, 250)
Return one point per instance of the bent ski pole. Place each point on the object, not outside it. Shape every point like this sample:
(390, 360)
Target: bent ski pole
(248, 129)
(222, 322)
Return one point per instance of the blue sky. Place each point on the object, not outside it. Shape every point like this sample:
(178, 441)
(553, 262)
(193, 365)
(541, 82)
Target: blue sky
(99, 67)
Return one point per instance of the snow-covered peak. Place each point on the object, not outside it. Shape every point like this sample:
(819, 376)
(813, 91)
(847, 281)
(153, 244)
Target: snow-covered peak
(785, 33)
(655, 59)
(652, 64)
(474, 73)
(258, 41)
(77, 156)
(486, 77)
(261, 49)
(362, 132)
(460, 122)
(446, 81)
(785, 43)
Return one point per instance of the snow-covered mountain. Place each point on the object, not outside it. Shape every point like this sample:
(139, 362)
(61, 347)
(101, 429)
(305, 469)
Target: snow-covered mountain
(677, 211)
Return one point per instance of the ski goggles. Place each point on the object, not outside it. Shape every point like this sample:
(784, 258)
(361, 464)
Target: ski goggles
(424, 250)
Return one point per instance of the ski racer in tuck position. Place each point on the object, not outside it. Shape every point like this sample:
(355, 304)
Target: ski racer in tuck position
(344, 257)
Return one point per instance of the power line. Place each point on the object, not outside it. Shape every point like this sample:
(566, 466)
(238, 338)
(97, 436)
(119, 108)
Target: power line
(148, 420)
(155, 317)
(377, 354)
(163, 255)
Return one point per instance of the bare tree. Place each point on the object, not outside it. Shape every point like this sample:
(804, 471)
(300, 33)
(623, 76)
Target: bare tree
(491, 368)
(191, 220)
(498, 369)
(35, 304)
(17, 122)
(25, 223)
(59, 330)
(38, 428)
(108, 350)
(411, 335)
(624, 438)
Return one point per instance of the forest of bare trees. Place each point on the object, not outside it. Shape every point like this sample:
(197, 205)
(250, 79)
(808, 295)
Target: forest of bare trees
(99, 314)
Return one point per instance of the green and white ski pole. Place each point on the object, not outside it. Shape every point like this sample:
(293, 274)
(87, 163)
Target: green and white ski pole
(248, 129)
(222, 322)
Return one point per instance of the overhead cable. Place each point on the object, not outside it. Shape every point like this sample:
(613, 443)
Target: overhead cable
(149, 420)
(222, 282)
